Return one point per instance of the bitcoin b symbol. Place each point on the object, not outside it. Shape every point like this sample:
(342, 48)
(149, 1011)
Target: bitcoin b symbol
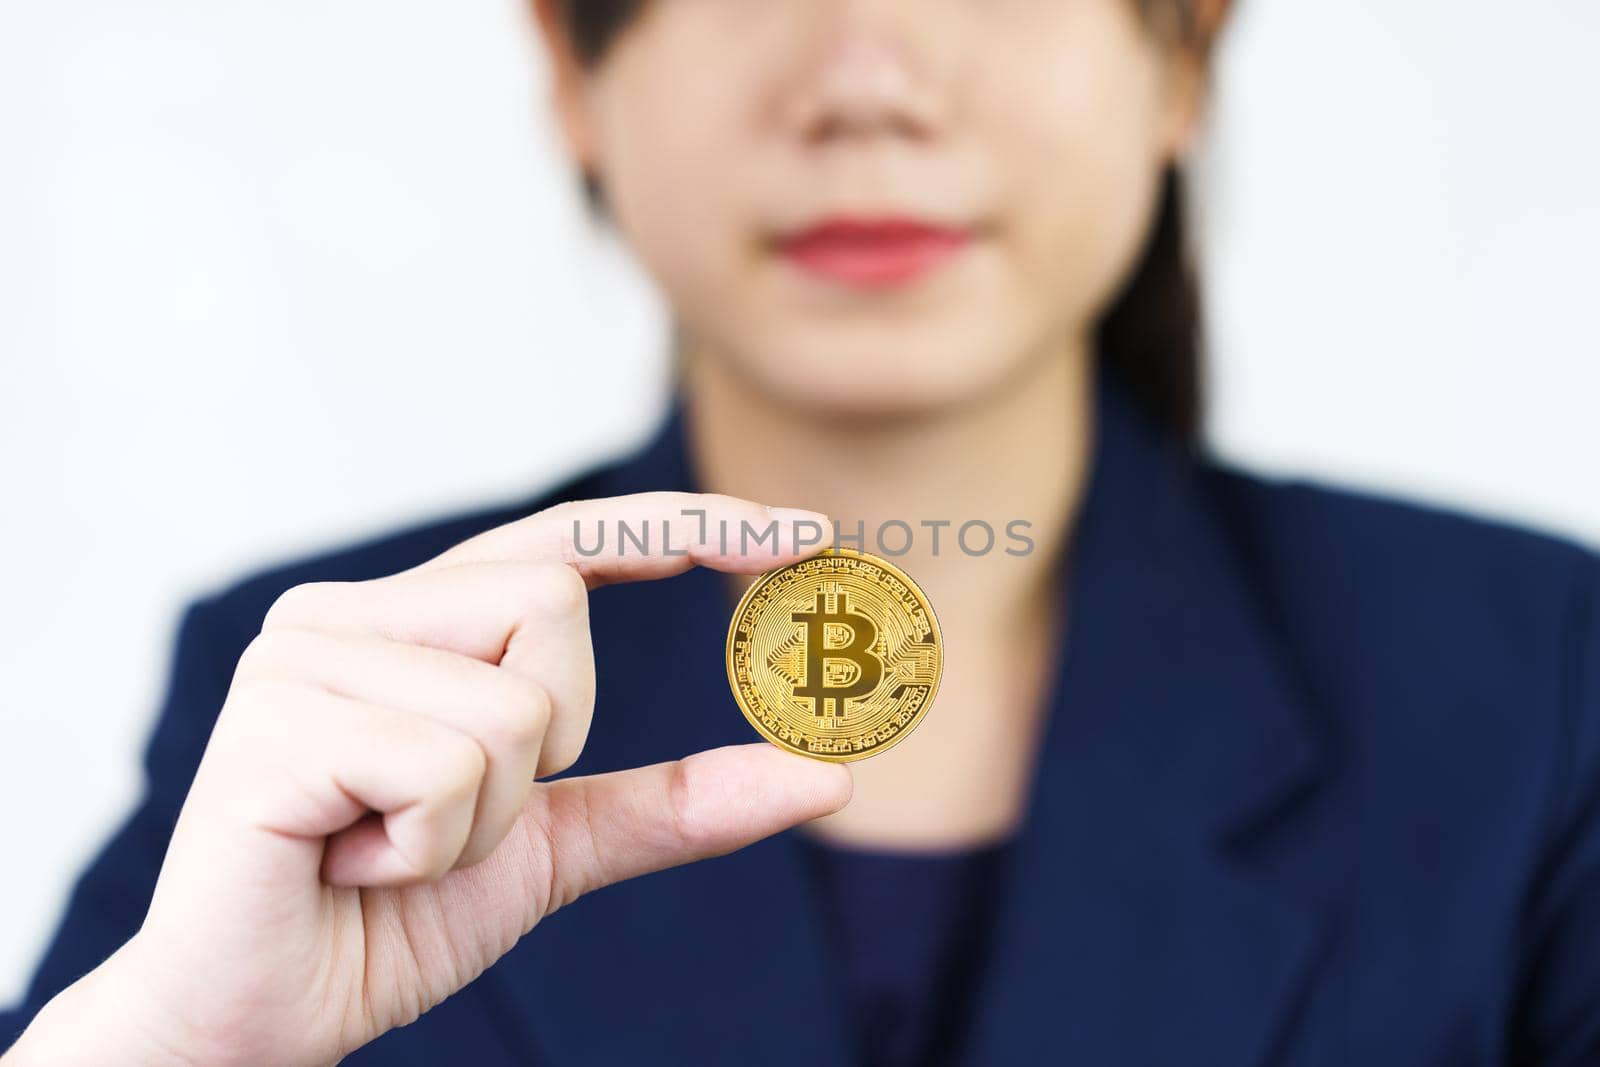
(819, 624)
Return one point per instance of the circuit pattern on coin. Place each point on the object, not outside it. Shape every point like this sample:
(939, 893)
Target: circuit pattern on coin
(836, 657)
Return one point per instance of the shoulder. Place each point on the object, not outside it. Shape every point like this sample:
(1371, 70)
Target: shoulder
(1402, 565)
(231, 613)
(1385, 527)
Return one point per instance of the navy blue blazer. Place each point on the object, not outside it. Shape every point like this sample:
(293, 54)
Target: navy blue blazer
(1320, 785)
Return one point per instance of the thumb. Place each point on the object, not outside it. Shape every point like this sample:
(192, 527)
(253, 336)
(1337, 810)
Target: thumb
(605, 828)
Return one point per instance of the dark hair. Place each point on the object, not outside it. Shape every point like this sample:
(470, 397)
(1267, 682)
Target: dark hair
(1149, 337)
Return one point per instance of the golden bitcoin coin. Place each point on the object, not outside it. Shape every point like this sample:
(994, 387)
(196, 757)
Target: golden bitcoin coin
(836, 657)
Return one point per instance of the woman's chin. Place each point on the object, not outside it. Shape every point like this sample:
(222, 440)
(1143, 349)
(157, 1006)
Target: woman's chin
(826, 386)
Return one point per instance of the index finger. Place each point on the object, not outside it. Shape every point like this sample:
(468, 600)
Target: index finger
(650, 535)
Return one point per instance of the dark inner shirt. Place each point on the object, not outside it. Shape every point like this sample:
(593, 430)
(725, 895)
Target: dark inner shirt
(909, 931)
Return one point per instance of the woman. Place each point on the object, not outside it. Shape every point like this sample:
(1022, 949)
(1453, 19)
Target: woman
(1220, 772)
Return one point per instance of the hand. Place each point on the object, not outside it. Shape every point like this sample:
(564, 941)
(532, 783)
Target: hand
(364, 834)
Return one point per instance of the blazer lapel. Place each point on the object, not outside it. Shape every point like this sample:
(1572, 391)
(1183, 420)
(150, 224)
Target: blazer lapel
(1129, 931)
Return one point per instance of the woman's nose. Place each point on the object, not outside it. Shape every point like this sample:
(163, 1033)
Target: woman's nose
(863, 74)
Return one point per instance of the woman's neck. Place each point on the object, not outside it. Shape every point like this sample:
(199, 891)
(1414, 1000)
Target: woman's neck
(1018, 456)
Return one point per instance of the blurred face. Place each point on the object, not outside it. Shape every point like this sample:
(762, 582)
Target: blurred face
(882, 207)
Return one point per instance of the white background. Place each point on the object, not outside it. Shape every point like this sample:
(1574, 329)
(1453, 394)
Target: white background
(275, 274)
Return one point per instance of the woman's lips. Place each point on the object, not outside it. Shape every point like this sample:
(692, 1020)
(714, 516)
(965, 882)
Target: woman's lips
(873, 253)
